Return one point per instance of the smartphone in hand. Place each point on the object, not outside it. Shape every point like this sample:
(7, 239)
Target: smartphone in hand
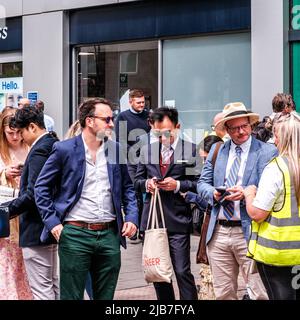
(221, 189)
(224, 194)
(20, 166)
(158, 180)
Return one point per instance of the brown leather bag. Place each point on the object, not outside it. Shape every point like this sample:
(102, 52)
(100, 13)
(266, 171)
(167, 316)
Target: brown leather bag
(201, 256)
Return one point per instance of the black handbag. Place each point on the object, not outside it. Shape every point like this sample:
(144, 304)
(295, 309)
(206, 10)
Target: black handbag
(197, 216)
(4, 221)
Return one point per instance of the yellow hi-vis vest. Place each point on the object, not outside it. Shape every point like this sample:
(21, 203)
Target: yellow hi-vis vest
(276, 241)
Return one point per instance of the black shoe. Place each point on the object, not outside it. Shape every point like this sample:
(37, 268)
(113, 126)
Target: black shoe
(246, 297)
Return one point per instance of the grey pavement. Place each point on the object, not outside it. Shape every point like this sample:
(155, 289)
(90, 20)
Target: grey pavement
(131, 284)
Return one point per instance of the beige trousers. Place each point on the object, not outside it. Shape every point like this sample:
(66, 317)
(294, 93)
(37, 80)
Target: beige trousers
(227, 256)
(41, 263)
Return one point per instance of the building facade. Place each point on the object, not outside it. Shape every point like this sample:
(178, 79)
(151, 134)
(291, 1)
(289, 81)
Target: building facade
(194, 55)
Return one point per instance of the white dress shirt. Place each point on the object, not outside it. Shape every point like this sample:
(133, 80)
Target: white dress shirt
(95, 204)
(173, 145)
(244, 156)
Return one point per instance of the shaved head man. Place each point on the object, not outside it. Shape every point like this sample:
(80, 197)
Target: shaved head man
(24, 102)
(219, 132)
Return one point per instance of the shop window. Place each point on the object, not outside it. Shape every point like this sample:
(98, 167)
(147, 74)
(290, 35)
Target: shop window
(11, 70)
(202, 74)
(128, 62)
(111, 70)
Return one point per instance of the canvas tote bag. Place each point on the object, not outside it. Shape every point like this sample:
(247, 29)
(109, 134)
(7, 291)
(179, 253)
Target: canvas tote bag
(157, 263)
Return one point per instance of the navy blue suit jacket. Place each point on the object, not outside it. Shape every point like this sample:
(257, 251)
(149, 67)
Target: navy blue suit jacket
(260, 154)
(183, 167)
(60, 184)
(31, 224)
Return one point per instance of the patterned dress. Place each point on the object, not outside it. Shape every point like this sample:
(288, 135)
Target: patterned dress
(13, 278)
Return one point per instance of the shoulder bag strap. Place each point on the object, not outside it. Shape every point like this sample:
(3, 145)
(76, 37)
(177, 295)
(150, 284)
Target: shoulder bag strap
(214, 157)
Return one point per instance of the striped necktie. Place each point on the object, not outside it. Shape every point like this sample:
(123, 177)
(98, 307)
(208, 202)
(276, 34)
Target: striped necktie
(166, 154)
(228, 209)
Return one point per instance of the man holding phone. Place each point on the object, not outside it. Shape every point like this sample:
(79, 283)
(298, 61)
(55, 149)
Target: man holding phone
(239, 163)
(40, 258)
(169, 165)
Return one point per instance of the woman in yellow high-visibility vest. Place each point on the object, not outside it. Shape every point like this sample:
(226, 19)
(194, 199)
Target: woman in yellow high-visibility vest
(275, 210)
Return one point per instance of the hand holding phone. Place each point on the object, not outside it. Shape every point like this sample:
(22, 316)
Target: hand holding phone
(224, 193)
(221, 189)
(20, 166)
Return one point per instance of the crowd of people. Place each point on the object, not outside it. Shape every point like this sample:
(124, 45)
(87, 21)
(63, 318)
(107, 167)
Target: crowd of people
(76, 201)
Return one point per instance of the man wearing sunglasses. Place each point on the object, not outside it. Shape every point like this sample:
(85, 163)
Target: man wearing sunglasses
(170, 165)
(79, 194)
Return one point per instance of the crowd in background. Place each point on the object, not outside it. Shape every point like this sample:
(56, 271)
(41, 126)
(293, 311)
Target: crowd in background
(65, 183)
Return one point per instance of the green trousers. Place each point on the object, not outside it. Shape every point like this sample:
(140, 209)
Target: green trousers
(82, 251)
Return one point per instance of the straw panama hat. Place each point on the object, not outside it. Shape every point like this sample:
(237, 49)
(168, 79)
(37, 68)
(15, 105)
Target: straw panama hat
(236, 110)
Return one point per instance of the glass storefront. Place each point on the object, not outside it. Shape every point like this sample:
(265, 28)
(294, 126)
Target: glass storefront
(111, 70)
(11, 69)
(199, 75)
(202, 74)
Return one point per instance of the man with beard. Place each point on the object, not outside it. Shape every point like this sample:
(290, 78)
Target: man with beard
(79, 195)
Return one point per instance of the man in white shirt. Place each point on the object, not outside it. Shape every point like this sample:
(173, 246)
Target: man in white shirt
(239, 163)
(79, 194)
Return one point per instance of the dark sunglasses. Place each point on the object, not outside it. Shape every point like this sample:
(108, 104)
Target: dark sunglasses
(159, 134)
(106, 119)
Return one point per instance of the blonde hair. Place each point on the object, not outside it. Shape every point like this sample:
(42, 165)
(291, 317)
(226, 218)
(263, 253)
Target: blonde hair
(287, 129)
(6, 115)
(74, 130)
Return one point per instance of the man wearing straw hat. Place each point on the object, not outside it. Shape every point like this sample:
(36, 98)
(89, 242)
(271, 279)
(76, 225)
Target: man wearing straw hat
(239, 163)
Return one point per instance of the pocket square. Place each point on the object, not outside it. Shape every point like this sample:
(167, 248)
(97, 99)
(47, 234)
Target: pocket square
(182, 161)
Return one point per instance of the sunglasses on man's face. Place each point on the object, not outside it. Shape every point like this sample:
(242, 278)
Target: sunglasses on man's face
(159, 134)
(106, 119)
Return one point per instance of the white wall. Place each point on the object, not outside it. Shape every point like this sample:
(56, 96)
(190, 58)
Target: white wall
(25, 7)
(12, 7)
(46, 63)
(269, 46)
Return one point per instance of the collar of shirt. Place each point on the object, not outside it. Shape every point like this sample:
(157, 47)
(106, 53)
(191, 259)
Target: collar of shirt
(245, 146)
(133, 111)
(40, 137)
(87, 153)
(174, 144)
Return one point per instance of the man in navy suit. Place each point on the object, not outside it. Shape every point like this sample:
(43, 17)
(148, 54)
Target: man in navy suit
(40, 258)
(79, 195)
(169, 164)
(239, 163)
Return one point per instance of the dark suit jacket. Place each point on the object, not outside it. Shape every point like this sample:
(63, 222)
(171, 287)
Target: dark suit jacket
(31, 224)
(183, 167)
(60, 183)
(134, 154)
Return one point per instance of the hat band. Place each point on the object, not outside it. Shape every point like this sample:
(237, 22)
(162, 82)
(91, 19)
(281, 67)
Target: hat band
(237, 113)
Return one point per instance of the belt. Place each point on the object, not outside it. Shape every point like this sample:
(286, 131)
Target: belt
(92, 226)
(230, 223)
